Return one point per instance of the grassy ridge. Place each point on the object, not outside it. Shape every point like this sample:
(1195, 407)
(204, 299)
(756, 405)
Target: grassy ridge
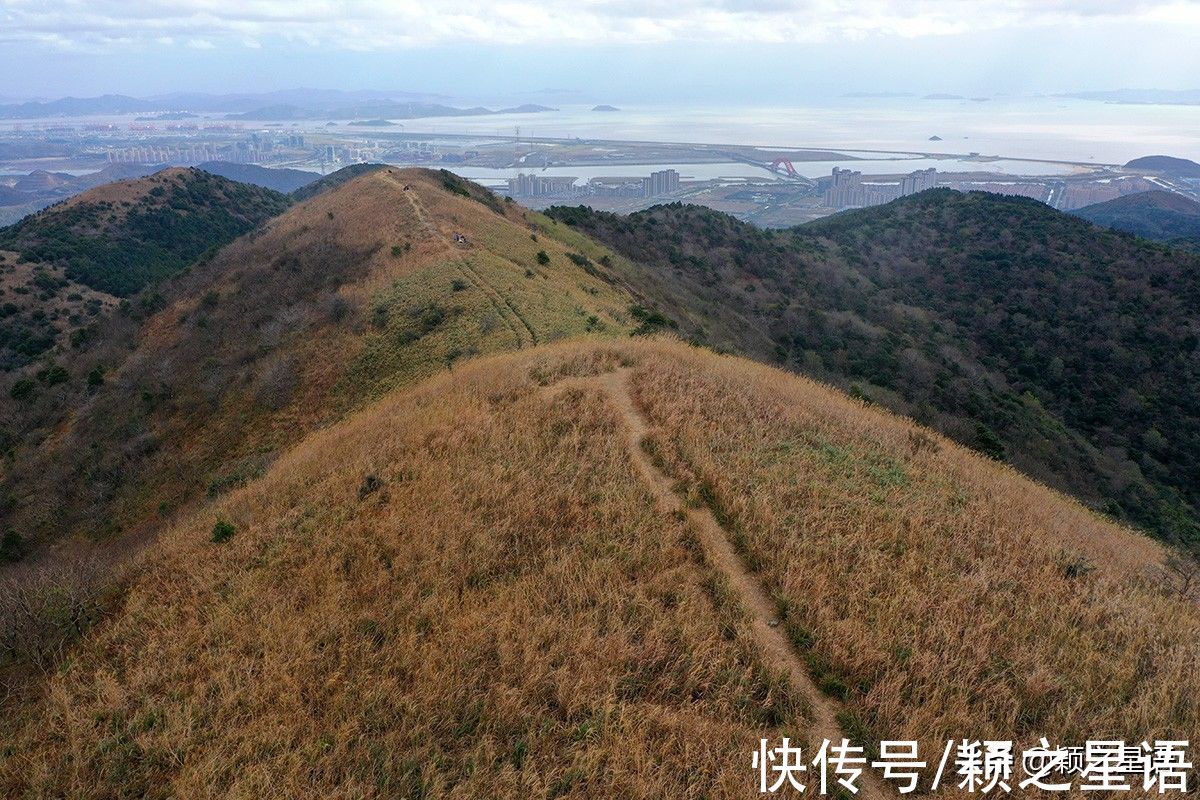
(346, 296)
(931, 589)
(464, 589)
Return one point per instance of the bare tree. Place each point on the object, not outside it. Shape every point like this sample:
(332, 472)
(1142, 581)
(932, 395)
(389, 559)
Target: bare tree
(1181, 572)
(44, 608)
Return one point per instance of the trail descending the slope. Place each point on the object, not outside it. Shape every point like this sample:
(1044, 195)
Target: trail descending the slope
(504, 308)
(771, 640)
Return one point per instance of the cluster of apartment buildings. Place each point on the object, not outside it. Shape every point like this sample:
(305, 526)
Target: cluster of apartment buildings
(541, 185)
(163, 155)
(847, 189)
(656, 184)
(254, 149)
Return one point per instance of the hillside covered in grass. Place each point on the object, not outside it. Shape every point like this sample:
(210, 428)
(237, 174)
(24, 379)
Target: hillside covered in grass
(384, 279)
(470, 589)
(1068, 351)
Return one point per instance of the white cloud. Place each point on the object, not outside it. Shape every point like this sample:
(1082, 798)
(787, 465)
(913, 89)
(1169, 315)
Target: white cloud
(380, 24)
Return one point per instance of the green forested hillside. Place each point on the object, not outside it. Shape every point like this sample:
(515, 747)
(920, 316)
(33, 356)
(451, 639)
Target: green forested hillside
(122, 236)
(67, 267)
(1034, 337)
(334, 180)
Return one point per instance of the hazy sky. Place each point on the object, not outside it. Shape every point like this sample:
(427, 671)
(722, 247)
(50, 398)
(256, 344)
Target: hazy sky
(611, 50)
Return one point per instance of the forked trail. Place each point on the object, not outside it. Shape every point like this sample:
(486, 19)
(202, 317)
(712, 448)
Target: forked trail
(771, 640)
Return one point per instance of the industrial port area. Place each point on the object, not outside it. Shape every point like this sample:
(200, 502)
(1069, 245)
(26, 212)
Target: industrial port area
(771, 186)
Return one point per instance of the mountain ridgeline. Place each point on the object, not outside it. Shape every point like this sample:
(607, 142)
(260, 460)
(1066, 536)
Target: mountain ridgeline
(471, 589)
(1069, 351)
(275, 178)
(122, 236)
(385, 277)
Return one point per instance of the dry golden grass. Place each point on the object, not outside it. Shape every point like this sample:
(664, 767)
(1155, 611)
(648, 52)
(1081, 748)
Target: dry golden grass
(506, 615)
(293, 326)
(503, 612)
(942, 594)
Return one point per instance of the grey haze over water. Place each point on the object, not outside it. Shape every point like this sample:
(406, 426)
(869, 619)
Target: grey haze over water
(1052, 128)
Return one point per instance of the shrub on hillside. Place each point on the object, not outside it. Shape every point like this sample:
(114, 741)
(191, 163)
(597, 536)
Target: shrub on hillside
(222, 531)
(12, 547)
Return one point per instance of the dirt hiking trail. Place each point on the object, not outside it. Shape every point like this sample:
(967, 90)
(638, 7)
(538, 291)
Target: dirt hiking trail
(771, 640)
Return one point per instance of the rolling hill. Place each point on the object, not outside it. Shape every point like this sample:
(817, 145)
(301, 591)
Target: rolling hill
(119, 237)
(1026, 333)
(334, 180)
(381, 280)
(22, 195)
(1170, 165)
(66, 267)
(76, 106)
(602, 570)
(1162, 216)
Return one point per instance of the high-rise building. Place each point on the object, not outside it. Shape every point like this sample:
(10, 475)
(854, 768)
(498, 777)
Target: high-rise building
(659, 183)
(845, 190)
(540, 185)
(918, 181)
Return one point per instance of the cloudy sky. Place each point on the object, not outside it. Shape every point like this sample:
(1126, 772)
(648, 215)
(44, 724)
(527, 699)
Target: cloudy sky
(619, 49)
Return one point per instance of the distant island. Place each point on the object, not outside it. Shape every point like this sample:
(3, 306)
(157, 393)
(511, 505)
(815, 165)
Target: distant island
(603, 107)
(373, 123)
(939, 96)
(1181, 167)
(935, 138)
(528, 108)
